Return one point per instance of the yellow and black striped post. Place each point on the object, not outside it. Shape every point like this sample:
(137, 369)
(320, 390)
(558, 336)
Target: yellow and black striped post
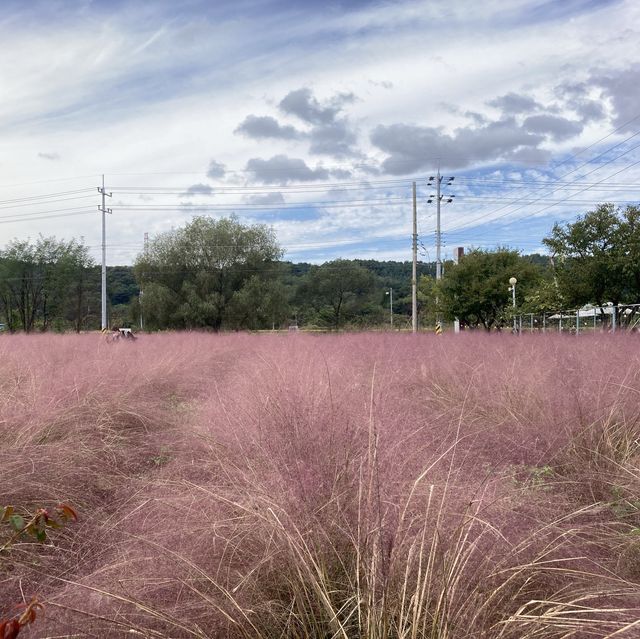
(438, 328)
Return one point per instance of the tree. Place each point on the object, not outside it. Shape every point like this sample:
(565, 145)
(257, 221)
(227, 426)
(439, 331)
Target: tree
(476, 289)
(38, 281)
(597, 257)
(258, 304)
(429, 303)
(190, 275)
(338, 291)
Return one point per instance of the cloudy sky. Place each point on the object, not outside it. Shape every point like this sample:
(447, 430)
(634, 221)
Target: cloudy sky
(316, 117)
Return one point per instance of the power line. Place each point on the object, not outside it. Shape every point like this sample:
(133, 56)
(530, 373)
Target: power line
(40, 202)
(471, 222)
(570, 172)
(46, 195)
(34, 213)
(258, 207)
(66, 179)
(43, 217)
(565, 200)
(262, 189)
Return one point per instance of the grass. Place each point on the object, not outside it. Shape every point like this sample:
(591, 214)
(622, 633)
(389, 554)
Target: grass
(381, 486)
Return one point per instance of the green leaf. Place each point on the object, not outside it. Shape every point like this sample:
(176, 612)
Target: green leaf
(17, 522)
(41, 535)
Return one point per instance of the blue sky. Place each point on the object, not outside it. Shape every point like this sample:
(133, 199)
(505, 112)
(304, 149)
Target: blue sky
(315, 118)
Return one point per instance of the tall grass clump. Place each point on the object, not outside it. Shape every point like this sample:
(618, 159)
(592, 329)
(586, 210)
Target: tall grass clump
(383, 486)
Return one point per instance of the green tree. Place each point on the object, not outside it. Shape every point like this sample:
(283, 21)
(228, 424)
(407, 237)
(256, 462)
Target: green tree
(544, 298)
(589, 257)
(597, 258)
(476, 290)
(259, 304)
(190, 275)
(75, 285)
(40, 282)
(338, 291)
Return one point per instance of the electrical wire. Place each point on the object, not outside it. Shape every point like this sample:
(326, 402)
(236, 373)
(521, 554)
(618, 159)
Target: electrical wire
(46, 195)
(68, 199)
(471, 222)
(43, 217)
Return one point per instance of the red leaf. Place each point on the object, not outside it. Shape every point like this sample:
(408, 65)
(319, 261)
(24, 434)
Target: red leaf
(9, 629)
(68, 512)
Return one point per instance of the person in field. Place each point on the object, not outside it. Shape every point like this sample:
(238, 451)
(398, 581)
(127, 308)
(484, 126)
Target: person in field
(118, 333)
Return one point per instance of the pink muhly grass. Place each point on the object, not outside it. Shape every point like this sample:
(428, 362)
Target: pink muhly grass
(328, 486)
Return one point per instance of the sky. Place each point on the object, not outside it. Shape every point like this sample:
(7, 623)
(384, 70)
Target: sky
(315, 118)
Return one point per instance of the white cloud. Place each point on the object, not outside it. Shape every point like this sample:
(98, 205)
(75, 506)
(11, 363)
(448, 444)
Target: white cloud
(151, 90)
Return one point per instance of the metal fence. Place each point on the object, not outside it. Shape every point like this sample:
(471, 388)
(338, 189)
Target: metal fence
(624, 317)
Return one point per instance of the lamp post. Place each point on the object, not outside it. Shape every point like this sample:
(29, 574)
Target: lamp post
(390, 294)
(513, 281)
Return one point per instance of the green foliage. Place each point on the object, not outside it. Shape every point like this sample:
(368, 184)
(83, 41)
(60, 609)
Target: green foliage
(339, 291)
(429, 303)
(543, 298)
(259, 304)
(190, 276)
(476, 291)
(35, 525)
(597, 257)
(121, 285)
(41, 281)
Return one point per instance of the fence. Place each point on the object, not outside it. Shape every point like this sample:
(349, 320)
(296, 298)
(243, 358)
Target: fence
(584, 320)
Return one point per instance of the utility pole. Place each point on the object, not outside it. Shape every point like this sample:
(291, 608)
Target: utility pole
(438, 229)
(414, 270)
(104, 211)
(438, 198)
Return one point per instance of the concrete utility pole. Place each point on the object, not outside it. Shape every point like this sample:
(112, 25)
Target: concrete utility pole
(414, 270)
(438, 198)
(438, 229)
(104, 211)
(390, 294)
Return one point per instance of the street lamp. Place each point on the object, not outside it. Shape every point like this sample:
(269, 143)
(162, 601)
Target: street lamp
(513, 281)
(390, 294)
(140, 304)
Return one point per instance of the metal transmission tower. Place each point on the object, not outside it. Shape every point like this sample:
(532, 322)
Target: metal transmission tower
(438, 197)
(104, 211)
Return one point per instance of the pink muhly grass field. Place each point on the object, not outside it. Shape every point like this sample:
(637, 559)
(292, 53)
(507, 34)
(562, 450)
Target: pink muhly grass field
(364, 485)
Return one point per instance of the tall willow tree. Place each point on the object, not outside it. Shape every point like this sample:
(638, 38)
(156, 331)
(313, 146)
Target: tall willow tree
(190, 275)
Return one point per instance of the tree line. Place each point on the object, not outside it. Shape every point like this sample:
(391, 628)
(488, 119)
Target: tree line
(224, 275)
(593, 260)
